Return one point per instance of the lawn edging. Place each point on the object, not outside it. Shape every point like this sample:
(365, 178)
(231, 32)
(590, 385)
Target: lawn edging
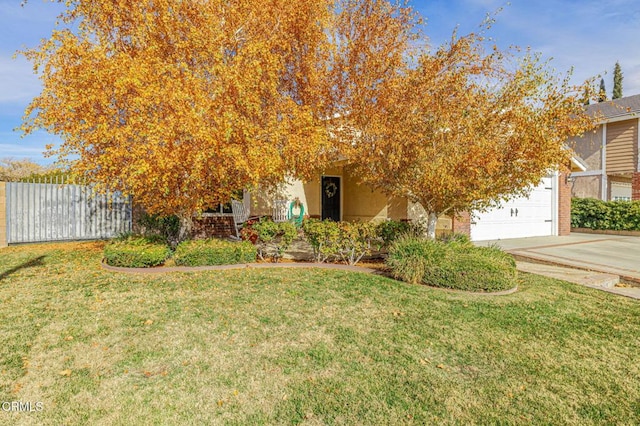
(162, 269)
(296, 265)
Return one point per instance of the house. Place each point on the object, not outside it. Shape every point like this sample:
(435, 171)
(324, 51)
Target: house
(611, 153)
(335, 194)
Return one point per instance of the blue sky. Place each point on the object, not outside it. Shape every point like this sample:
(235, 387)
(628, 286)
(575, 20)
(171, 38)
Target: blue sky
(588, 35)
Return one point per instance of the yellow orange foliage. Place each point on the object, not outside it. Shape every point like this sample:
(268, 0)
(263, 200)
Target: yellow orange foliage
(465, 128)
(180, 103)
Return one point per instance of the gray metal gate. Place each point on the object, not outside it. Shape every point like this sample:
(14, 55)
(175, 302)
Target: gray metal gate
(57, 212)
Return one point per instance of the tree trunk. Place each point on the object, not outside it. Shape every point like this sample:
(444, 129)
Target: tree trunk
(186, 223)
(431, 225)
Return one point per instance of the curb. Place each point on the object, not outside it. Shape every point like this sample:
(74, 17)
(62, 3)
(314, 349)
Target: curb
(525, 256)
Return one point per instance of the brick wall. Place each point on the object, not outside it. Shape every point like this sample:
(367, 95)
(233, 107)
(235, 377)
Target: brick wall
(635, 186)
(204, 227)
(564, 204)
(462, 224)
(3, 214)
(213, 226)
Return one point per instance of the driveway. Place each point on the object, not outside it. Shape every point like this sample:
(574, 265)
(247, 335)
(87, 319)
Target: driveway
(612, 254)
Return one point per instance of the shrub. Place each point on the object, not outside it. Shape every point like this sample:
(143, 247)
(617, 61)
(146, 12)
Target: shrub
(409, 256)
(473, 269)
(355, 240)
(346, 241)
(323, 236)
(214, 252)
(390, 230)
(166, 226)
(607, 215)
(271, 238)
(455, 238)
(132, 251)
(454, 265)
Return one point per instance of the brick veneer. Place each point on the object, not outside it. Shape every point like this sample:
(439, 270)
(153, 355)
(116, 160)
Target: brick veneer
(462, 224)
(635, 186)
(204, 227)
(213, 226)
(564, 204)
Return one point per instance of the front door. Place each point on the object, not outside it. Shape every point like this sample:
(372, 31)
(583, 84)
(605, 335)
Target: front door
(331, 198)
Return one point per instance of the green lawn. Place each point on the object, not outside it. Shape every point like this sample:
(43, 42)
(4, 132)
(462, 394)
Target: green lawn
(304, 346)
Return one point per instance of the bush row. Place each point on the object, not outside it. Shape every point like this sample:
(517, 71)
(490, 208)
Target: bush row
(608, 215)
(148, 251)
(345, 242)
(455, 265)
(213, 252)
(331, 241)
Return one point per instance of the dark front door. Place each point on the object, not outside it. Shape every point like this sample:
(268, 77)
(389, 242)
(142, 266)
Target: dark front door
(331, 198)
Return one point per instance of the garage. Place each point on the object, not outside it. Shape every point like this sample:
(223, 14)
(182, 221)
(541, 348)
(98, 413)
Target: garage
(532, 216)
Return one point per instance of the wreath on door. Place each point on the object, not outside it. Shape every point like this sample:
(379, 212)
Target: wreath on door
(330, 189)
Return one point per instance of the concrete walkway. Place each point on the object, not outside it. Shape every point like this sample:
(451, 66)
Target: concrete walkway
(593, 260)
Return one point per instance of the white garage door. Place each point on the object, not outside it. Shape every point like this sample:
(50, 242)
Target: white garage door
(531, 216)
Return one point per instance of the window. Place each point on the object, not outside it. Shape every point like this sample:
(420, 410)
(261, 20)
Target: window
(225, 209)
(619, 198)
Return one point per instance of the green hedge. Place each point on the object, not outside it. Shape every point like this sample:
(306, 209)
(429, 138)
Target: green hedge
(607, 215)
(457, 265)
(136, 252)
(214, 252)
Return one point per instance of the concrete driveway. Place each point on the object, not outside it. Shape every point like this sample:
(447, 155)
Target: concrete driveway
(611, 254)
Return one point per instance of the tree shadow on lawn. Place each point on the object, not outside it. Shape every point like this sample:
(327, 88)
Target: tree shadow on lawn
(38, 261)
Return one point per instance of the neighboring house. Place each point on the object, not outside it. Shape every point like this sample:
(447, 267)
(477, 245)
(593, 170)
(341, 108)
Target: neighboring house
(335, 194)
(611, 152)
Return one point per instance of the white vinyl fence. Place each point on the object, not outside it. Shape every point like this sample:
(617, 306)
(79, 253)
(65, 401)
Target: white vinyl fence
(58, 211)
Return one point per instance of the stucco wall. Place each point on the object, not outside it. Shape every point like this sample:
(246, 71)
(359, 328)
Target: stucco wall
(417, 213)
(361, 202)
(358, 202)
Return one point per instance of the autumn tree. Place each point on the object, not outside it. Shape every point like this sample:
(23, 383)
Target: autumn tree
(12, 169)
(464, 129)
(181, 103)
(617, 81)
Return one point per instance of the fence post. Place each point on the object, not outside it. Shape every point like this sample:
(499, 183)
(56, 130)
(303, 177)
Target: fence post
(3, 214)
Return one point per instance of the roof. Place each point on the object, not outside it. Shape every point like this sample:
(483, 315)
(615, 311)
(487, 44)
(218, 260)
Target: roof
(578, 164)
(608, 110)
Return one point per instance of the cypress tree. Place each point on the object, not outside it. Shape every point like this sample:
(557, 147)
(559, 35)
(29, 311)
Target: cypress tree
(617, 81)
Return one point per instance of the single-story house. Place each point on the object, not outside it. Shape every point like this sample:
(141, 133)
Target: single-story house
(611, 153)
(335, 194)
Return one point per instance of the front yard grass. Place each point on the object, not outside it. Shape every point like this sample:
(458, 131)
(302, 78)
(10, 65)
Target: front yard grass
(312, 346)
